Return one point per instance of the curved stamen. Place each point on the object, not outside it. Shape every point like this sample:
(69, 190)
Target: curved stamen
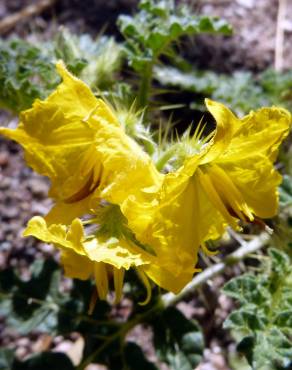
(118, 283)
(215, 198)
(88, 188)
(207, 251)
(229, 193)
(147, 285)
(101, 279)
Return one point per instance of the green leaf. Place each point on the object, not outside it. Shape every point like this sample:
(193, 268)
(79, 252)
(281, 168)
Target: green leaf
(245, 289)
(178, 341)
(7, 280)
(284, 320)
(32, 304)
(246, 320)
(246, 346)
(285, 191)
(241, 90)
(27, 70)
(157, 24)
(26, 73)
(37, 304)
(135, 358)
(95, 61)
(262, 324)
(270, 350)
(6, 358)
(278, 85)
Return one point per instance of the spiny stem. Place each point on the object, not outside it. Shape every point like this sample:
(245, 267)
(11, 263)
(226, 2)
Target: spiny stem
(145, 86)
(166, 156)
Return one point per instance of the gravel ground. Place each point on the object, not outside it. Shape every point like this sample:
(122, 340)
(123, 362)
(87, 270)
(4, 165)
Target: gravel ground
(252, 45)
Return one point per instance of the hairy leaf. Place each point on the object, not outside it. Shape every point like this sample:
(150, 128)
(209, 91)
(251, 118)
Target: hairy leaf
(157, 24)
(241, 91)
(25, 74)
(27, 70)
(262, 324)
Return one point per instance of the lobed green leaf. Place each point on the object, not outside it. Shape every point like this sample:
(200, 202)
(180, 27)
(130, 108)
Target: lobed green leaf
(262, 324)
(242, 91)
(157, 24)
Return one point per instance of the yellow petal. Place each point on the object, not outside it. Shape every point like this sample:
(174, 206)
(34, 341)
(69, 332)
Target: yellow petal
(257, 181)
(224, 194)
(73, 257)
(242, 173)
(211, 192)
(57, 234)
(75, 140)
(259, 132)
(63, 213)
(226, 124)
(174, 226)
(55, 138)
(75, 265)
(118, 253)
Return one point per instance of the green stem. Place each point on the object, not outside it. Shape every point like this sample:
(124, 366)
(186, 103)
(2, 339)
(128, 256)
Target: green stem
(120, 334)
(145, 86)
(161, 162)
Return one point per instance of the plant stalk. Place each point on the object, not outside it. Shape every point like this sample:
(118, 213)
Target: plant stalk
(144, 90)
(119, 334)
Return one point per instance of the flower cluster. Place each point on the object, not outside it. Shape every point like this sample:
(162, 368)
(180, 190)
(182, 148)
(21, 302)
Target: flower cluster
(113, 210)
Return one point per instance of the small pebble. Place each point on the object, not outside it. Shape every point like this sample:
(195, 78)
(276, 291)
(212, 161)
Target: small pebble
(4, 159)
(38, 188)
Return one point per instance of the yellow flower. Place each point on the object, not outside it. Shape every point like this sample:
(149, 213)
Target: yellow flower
(75, 140)
(85, 256)
(159, 221)
(236, 170)
(232, 178)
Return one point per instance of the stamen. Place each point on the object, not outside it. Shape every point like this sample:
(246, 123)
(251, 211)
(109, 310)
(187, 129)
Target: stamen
(118, 283)
(214, 197)
(88, 188)
(92, 302)
(101, 279)
(147, 285)
(207, 251)
(229, 193)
